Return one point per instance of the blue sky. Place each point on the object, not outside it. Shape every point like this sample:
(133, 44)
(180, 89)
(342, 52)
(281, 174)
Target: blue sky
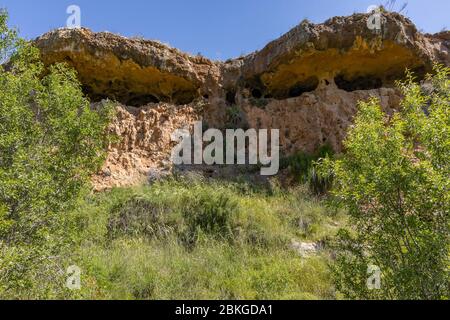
(218, 29)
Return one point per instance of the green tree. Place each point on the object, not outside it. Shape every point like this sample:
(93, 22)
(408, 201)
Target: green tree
(394, 180)
(51, 142)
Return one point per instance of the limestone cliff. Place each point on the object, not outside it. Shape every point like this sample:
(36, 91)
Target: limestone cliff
(306, 83)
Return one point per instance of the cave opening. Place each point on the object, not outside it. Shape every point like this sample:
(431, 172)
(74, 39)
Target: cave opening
(138, 100)
(256, 93)
(183, 97)
(358, 83)
(299, 88)
(93, 95)
(256, 87)
(230, 97)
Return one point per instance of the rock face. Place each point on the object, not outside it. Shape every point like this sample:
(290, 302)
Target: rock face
(144, 143)
(131, 71)
(306, 83)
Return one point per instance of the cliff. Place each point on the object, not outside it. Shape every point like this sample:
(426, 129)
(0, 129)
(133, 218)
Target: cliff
(306, 83)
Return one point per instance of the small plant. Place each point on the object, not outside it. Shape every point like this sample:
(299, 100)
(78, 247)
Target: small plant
(139, 216)
(304, 167)
(390, 5)
(210, 214)
(259, 102)
(234, 117)
(138, 37)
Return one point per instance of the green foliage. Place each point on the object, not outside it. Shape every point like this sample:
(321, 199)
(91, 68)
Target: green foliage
(193, 239)
(139, 216)
(149, 217)
(133, 269)
(259, 102)
(303, 166)
(394, 181)
(235, 118)
(210, 214)
(50, 144)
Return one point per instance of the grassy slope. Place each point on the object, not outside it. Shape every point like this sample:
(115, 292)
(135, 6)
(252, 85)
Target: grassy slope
(202, 240)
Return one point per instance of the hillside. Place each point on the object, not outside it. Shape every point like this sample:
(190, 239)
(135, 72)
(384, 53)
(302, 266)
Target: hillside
(94, 206)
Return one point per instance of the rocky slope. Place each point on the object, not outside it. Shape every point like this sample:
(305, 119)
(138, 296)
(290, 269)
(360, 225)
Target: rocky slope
(306, 83)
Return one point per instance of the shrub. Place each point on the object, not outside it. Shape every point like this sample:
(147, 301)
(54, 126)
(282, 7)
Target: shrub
(195, 211)
(259, 102)
(303, 166)
(394, 181)
(139, 216)
(235, 118)
(50, 144)
(211, 214)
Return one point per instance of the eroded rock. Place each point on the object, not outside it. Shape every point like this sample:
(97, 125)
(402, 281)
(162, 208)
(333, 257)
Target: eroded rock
(306, 83)
(132, 71)
(144, 144)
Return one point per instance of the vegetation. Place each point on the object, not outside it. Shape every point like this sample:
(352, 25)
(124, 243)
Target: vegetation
(394, 181)
(235, 118)
(187, 238)
(304, 168)
(184, 239)
(259, 102)
(50, 144)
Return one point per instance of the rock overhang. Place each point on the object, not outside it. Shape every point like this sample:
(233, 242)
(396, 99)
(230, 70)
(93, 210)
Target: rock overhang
(132, 71)
(342, 50)
(306, 84)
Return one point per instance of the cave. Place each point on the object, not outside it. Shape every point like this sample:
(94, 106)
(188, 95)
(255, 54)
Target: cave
(94, 96)
(358, 83)
(301, 87)
(294, 90)
(183, 97)
(135, 99)
(256, 93)
(230, 97)
(138, 100)
(255, 87)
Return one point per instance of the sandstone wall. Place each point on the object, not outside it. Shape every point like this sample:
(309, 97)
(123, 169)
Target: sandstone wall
(306, 83)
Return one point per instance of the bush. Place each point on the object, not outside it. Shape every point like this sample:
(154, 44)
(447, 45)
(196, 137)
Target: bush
(137, 217)
(196, 213)
(211, 214)
(394, 181)
(303, 167)
(50, 144)
(235, 118)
